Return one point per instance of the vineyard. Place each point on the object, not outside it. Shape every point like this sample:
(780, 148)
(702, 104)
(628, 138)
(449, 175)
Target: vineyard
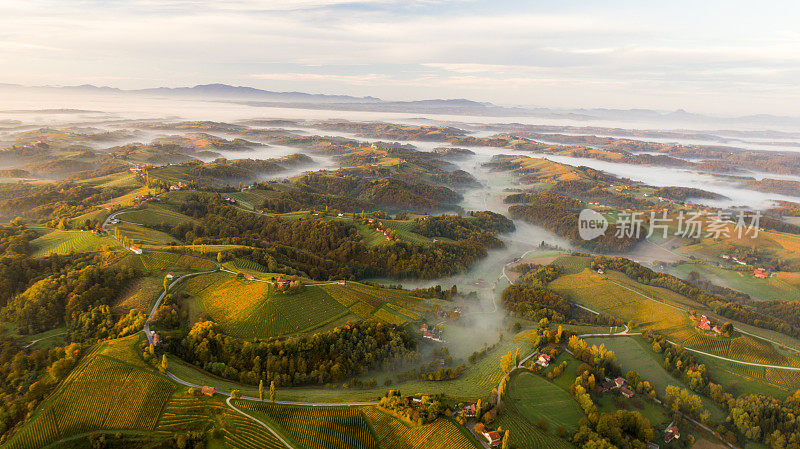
(64, 242)
(525, 434)
(154, 214)
(318, 427)
(102, 393)
(163, 261)
(440, 434)
(533, 397)
(140, 295)
(260, 312)
(141, 234)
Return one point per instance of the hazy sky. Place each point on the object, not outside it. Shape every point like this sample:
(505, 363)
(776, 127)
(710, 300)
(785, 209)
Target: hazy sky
(735, 57)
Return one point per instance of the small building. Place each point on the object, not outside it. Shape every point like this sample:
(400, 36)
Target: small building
(423, 327)
(282, 282)
(493, 437)
(170, 275)
(544, 360)
(760, 273)
(619, 382)
(341, 282)
(249, 277)
(135, 249)
(716, 330)
(469, 411)
(705, 323)
(600, 271)
(209, 391)
(671, 433)
(627, 392)
(156, 339)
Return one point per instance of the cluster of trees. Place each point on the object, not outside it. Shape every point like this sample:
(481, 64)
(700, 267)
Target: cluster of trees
(15, 239)
(722, 301)
(538, 275)
(420, 412)
(534, 303)
(559, 214)
(307, 359)
(63, 298)
(388, 192)
(623, 429)
(64, 199)
(326, 249)
(456, 227)
(594, 191)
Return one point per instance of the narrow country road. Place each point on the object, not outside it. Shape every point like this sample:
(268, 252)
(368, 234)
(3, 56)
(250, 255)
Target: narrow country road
(263, 424)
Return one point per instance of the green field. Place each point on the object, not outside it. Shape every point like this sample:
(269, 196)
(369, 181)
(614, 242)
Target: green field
(65, 242)
(780, 286)
(661, 311)
(440, 434)
(534, 397)
(105, 392)
(142, 235)
(165, 261)
(261, 312)
(634, 355)
(317, 427)
(155, 214)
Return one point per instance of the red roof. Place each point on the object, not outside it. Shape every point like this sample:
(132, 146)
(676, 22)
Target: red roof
(494, 437)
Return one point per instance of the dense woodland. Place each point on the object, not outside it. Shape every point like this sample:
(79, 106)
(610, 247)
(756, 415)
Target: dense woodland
(319, 359)
(329, 240)
(559, 214)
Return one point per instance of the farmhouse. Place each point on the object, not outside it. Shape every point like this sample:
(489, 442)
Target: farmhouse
(671, 433)
(135, 249)
(493, 437)
(469, 411)
(543, 360)
(760, 273)
(627, 392)
(209, 391)
(282, 282)
(248, 277)
(170, 275)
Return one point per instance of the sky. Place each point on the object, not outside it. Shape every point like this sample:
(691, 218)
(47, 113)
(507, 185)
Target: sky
(724, 57)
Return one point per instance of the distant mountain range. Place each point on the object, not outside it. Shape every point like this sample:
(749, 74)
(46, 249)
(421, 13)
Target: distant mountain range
(265, 98)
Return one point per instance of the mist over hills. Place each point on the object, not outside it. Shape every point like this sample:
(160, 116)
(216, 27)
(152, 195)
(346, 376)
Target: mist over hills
(256, 97)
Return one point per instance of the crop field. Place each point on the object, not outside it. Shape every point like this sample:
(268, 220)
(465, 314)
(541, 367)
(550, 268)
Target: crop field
(534, 397)
(440, 434)
(740, 379)
(318, 427)
(142, 235)
(102, 393)
(64, 242)
(526, 434)
(240, 264)
(661, 311)
(164, 261)
(155, 214)
(781, 286)
(258, 311)
(572, 264)
(140, 295)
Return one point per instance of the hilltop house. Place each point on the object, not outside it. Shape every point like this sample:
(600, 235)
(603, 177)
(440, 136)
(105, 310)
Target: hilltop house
(493, 437)
(627, 392)
(671, 433)
(544, 360)
(469, 411)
